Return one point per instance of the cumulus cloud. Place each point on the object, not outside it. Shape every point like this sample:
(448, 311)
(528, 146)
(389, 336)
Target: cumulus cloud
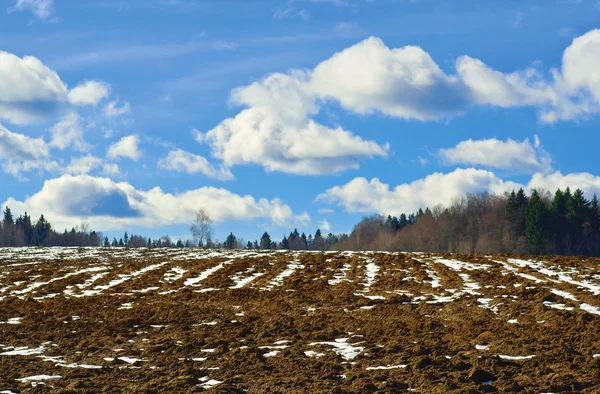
(126, 147)
(43, 9)
(68, 132)
(587, 182)
(20, 153)
(29, 91)
(108, 205)
(89, 93)
(14, 146)
(111, 169)
(509, 155)
(276, 131)
(83, 165)
(181, 161)
(403, 82)
(276, 128)
(112, 109)
(324, 225)
(362, 195)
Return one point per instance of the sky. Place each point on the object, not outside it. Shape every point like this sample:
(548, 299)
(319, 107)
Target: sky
(130, 115)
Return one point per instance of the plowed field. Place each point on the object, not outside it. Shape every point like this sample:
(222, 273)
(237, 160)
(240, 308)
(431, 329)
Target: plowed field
(152, 321)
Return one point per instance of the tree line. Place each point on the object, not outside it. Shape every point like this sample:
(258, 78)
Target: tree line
(564, 223)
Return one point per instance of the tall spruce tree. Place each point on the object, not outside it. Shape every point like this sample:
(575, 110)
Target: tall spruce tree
(265, 241)
(536, 222)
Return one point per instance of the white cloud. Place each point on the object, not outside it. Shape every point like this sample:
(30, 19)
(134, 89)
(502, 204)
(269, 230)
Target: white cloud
(126, 147)
(361, 195)
(518, 20)
(325, 210)
(325, 226)
(68, 132)
(407, 83)
(89, 93)
(43, 9)
(83, 165)
(111, 169)
(403, 82)
(508, 155)
(181, 161)
(112, 109)
(108, 205)
(289, 12)
(20, 153)
(587, 182)
(276, 131)
(29, 91)
(14, 146)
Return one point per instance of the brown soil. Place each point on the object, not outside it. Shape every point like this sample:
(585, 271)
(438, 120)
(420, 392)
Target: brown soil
(431, 341)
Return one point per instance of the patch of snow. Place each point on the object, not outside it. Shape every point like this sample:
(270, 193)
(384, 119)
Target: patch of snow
(386, 367)
(346, 350)
(516, 358)
(208, 383)
(205, 274)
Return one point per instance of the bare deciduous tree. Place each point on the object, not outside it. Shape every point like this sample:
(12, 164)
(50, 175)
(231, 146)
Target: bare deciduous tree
(201, 229)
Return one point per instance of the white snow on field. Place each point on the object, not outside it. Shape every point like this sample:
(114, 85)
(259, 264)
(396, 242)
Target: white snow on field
(342, 348)
(174, 274)
(125, 277)
(38, 378)
(371, 297)
(459, 266)
(35, 285)
(372, 270)
(84, 366)
(311, 353)
(23, 351)
(208, 383)
(589, 308)
(560, 276)
(271, 354)
(516, 358)
(436, 281)
(558, 306)
(129, 360)
(386, 367)
(12, 320)
(471, 287)
(564, 294)
(288, 271)
(482, 347)
(205, 274)
(243, 281)
(340, 276)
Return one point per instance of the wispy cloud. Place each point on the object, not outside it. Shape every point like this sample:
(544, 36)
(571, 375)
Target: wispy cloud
(42, 9)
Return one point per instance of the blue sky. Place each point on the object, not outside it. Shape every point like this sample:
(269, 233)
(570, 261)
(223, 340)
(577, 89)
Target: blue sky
(131, 115)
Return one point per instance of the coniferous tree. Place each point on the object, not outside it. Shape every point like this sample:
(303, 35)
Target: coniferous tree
(106, 242)
(536, 222)
(265, 241)
(230, 242)
(285, 245)
(126, 239)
